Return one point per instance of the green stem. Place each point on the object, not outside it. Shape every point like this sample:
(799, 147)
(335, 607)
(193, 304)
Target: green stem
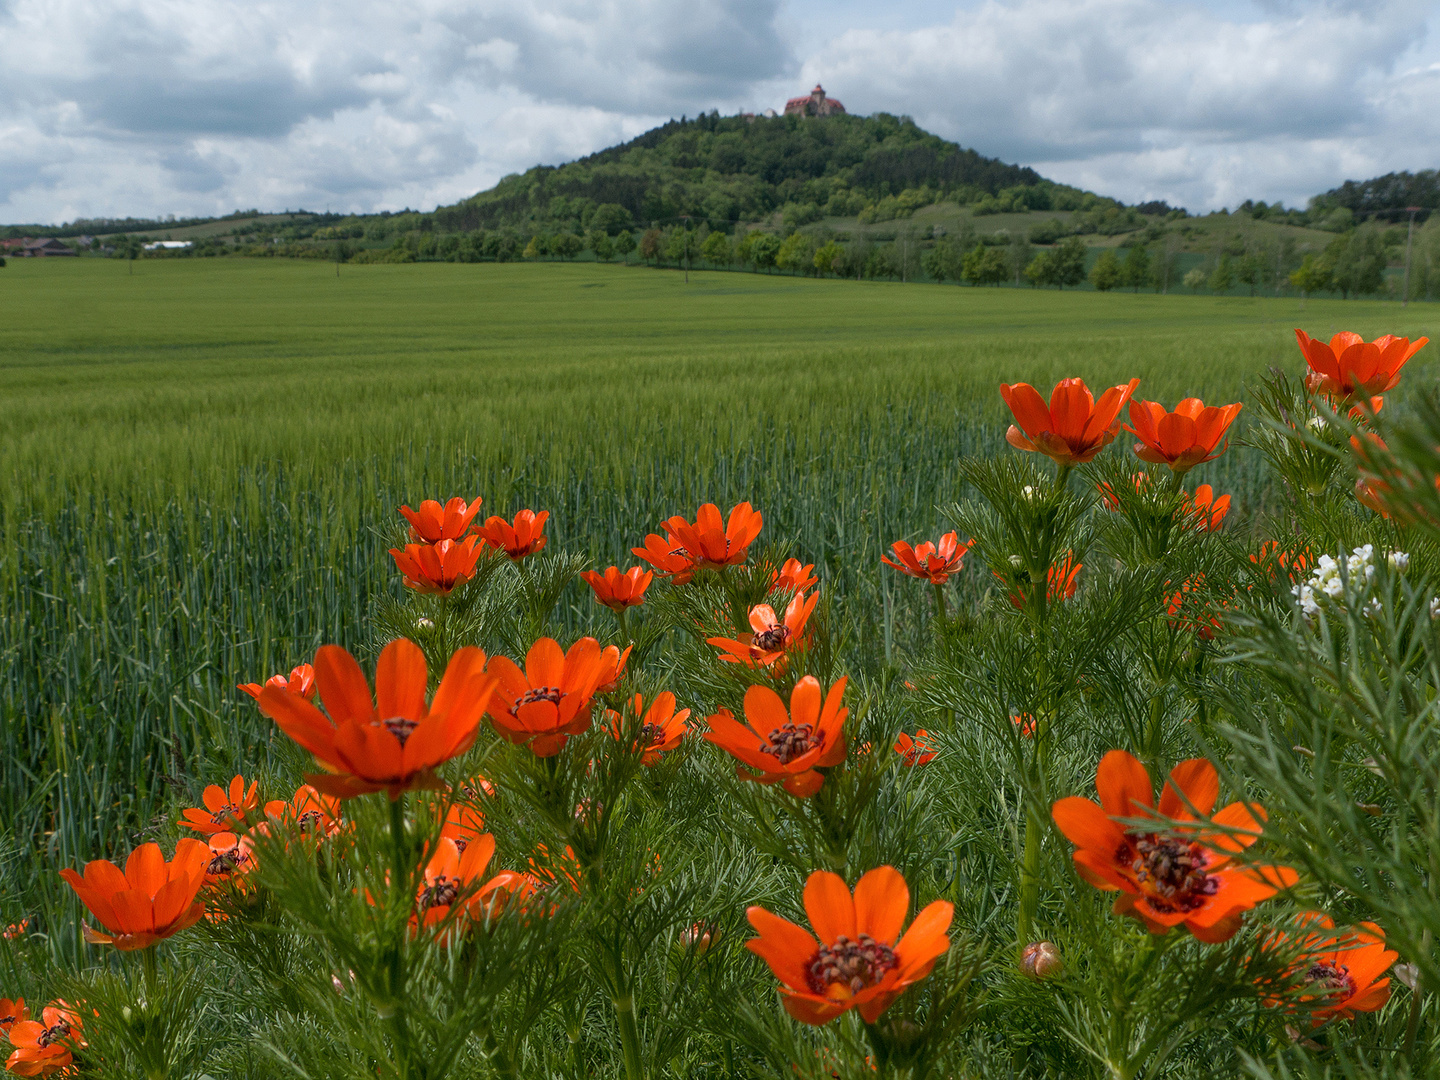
(152, 976)
(623, 616)
(399, 904)
(1029, 883)
(1155, 736)
(499, 1060)
(629, 1038)
(940, 610)
(1412, 1026)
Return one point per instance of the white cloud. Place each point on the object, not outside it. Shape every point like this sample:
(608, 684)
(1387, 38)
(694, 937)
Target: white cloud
(199, 106)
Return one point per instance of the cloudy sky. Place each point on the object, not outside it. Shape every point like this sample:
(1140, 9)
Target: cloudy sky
(116, 107)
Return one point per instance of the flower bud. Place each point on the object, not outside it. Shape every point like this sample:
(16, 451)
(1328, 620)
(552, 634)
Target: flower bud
(1042, 961)
(1017, 562)
(700, 937)
(1399, 561)
(423, 623)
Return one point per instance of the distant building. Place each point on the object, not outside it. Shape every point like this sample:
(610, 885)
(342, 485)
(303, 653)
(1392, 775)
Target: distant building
(167, 245)
(817, 104)
(45, 246)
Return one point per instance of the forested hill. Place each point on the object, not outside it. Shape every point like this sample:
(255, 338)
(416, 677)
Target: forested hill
(743, 168)
(1385, 196)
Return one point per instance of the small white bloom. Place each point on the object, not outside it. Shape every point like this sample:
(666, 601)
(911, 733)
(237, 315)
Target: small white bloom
(1399, 561)
(1333, 588)
(1017, 562)
(1316, 424)
(1029, 493)
(423, 623)
(1435, 608)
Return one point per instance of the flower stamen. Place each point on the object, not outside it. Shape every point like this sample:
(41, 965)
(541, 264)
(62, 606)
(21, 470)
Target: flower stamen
(851, 965)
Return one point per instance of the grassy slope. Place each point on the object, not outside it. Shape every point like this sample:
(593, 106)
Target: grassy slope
(189, 365)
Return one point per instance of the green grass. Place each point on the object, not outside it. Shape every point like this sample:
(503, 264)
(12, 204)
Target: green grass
(201, 460)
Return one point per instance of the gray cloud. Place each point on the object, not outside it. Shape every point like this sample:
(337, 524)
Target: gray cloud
(152, 106)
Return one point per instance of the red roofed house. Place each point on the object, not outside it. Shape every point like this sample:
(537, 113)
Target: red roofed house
(817, 104)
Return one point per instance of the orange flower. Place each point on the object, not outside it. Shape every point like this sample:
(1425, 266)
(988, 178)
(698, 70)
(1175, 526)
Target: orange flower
(230, 855)
(772, 639)
(793, 576)
(1168, 875)
(1349, 365)
(666, 554)
(518, 540)
(43, 1047)
(712, 542)
(399, 745)
(1289, 562)
(225, 809)
(301, 681)
(11, 1013)
(1342, 972)
(1191, 609)
(857, 963)
(438, 568)
(618, 591)
(15, 930)
(150, 901)
(1074, 428)
(612, 667)
(1060, 582)
(928, 562)
(449, 874)
(464, 824)
(549, 701)
(916, 751)
(661, 727)
(1110, 500)
(1181, 439)
(1205, 508)
(433, 522)
(789, 747)
(1026, 723)
(308, 811)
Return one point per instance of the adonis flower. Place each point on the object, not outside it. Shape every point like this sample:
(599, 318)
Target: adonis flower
(43, 1047)
(542, 706)
(1204, 509)
(1110, 500)
(301, 681)
(463, 824)
(1060, 582)
(661, 726)
(1074, 428)
(772, 638)
(391, 742)
(149, 901)
(439, 567)
(668, 556)
(523, 538)
(11, 1013)
(1169, 874)
(713, 542)
(1181, 439)
(793, 576)
(619, 591)
(1281, 560)
(225, 808)
(786, 747)
(1190, 609)
(1349, 366)
(230, 855)
(860, 961)
(916, 750)
(308, 810)
(612, 667)
(929, 562)
(433, 522)
(451, 876)
(1341, 972)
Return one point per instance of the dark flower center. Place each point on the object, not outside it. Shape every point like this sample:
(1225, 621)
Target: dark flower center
(651, 735)
(853, 964)
(439, 893)
(772, 639)
(401, 728)
(310, 819)
(461, 843)
(552, 694)
(1171, 871)
(225, 812)
(1335, 978)
(789, 741)
(222, 863)
(6, 1021)
(61, 1030)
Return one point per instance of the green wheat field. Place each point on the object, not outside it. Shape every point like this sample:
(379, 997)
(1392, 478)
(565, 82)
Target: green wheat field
(202, 460)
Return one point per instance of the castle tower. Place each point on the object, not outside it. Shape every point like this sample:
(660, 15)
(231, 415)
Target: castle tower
(816, 104)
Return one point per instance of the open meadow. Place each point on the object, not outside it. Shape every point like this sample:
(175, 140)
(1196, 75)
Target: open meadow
(201, 461)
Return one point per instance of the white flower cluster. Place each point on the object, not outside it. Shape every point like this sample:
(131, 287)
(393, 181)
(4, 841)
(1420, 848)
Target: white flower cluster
(1327, 581)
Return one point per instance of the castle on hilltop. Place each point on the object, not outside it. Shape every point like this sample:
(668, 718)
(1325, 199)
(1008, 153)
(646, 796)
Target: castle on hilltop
(816, 104)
